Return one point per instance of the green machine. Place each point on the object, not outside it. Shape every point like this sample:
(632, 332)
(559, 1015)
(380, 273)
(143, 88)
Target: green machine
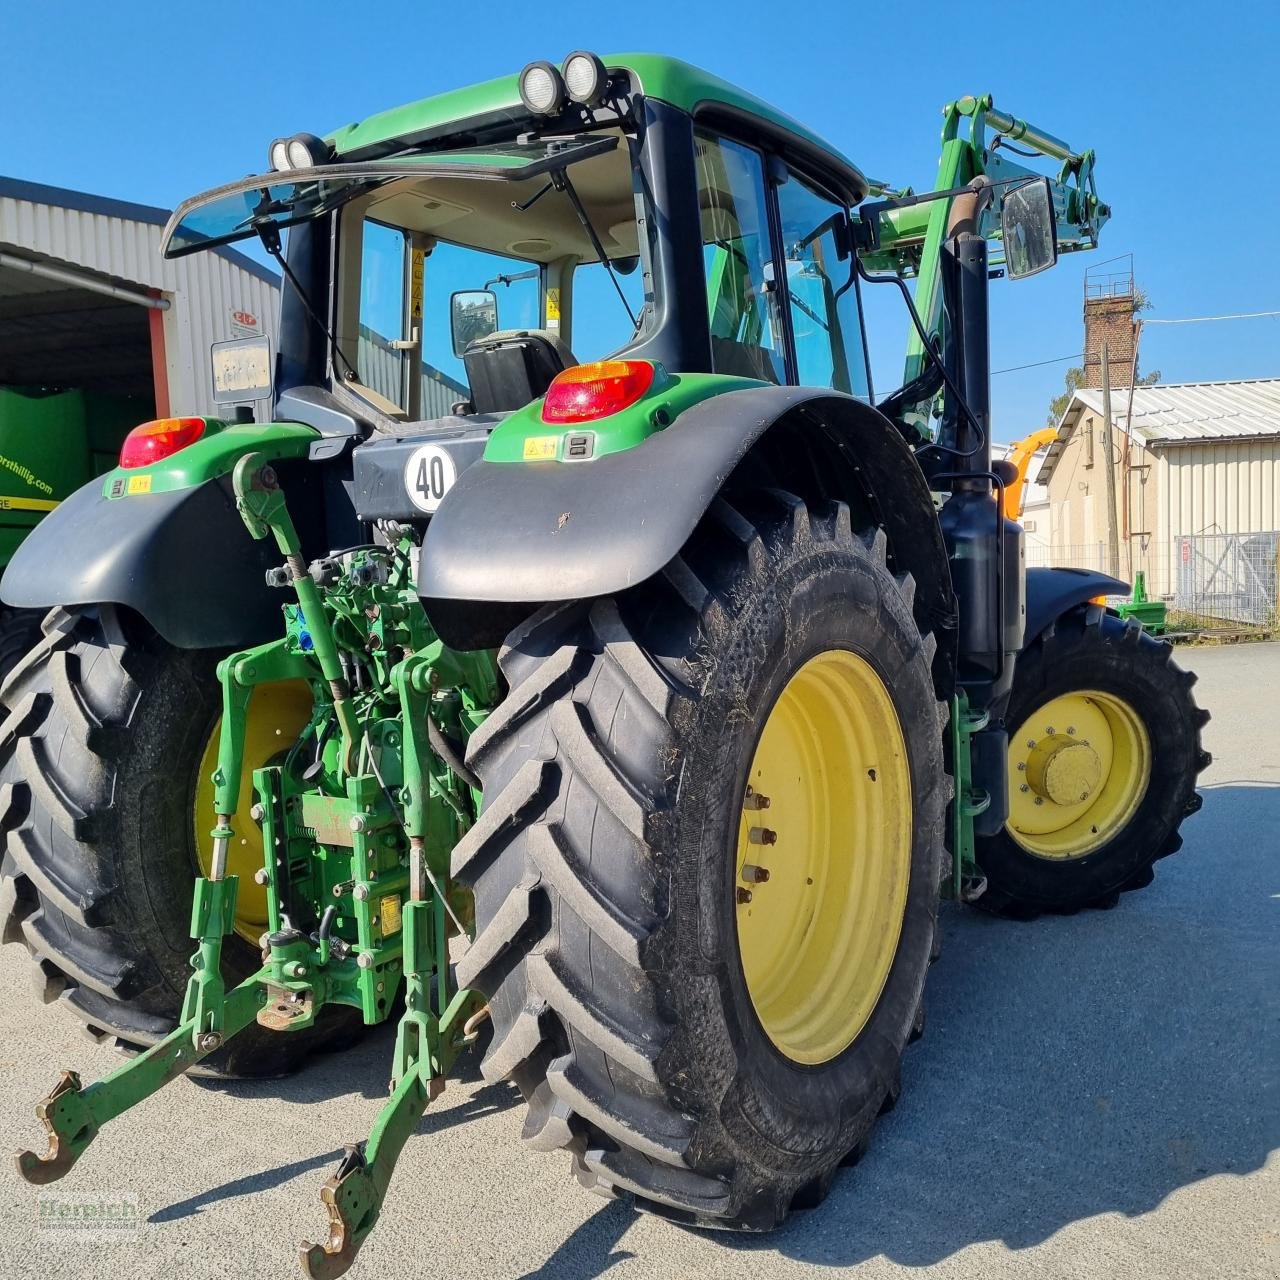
(51, 442)
(586, 663)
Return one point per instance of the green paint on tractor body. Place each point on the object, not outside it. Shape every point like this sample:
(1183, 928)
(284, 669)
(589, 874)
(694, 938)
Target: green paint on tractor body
(525, 437)
(667, 79)
(213, 455)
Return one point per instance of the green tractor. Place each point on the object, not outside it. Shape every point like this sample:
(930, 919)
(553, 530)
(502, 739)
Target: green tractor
(584, 662)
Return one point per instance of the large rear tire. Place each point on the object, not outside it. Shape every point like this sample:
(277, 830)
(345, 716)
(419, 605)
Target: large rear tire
(105, 727)
(612, 942)
(19, 632)
(1104, 751)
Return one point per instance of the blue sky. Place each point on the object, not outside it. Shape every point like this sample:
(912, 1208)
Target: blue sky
(153, 102)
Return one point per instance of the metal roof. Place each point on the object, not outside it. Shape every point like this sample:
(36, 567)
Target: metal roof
(149, 215)
(1178, 413)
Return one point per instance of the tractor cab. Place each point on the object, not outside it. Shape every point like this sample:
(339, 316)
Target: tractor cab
(628, 214)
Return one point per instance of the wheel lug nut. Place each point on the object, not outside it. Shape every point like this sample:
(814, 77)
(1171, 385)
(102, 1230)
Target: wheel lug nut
(753, 874)
(742, 895)
(260, 876)
(754, 800)
(762, 835)
(1024, 787)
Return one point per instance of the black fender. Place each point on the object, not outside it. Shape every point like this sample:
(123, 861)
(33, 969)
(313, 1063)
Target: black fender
(181, 559)
(533, 533)
(1051, 592)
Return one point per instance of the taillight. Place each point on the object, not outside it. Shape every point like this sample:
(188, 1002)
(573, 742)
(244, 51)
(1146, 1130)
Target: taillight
(153, 441)
(589, 391)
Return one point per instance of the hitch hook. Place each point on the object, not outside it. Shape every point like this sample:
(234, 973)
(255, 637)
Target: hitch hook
(69, 1127)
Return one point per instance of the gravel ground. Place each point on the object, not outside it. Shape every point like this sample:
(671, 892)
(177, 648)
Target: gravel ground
(1094, 1096)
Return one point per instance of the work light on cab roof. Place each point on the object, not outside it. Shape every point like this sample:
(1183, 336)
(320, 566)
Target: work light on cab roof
(301, 151)
(544, 87)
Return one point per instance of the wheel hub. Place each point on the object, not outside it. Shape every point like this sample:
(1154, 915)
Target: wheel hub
(1064, 770)
(1079, 767)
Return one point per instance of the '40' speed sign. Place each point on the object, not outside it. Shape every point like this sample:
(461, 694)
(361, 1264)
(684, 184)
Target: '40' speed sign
(428, 476)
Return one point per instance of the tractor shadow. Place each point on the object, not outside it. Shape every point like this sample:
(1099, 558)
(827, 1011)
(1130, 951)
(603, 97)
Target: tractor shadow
(361, 1068)
(591, 1248)
(1080, 1065)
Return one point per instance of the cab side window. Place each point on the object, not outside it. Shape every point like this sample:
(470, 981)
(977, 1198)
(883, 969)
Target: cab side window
(746, 337)
(822, 293)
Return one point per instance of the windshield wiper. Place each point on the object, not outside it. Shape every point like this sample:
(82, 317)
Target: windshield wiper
(560, 180)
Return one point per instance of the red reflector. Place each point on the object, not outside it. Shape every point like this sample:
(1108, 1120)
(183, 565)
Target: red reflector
(153, 441)
(589, 391)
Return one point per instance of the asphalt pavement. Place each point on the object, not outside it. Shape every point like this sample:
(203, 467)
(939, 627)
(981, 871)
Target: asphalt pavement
(1095, 1096)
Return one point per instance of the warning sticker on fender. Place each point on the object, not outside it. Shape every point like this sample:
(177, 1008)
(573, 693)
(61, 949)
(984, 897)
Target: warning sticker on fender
(541, 448)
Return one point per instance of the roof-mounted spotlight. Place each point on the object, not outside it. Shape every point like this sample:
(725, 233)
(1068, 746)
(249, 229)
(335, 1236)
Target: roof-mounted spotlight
(306, 151)
(542, 88)
(301, 151)
(585, 77)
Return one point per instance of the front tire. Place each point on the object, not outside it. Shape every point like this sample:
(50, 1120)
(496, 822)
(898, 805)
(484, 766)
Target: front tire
(1104, 751)
(606, 867)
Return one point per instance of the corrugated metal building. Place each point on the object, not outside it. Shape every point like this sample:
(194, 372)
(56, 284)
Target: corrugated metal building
(1194, 462)
(87, 303)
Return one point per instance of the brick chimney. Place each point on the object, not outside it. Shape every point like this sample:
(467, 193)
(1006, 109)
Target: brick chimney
(1108, 317)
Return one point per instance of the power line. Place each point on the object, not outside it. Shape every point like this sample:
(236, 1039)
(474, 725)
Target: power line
(1079, 355)
(1247, 315)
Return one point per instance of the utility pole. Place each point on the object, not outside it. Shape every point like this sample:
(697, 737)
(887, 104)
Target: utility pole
(1126, 473)
(1109, 470)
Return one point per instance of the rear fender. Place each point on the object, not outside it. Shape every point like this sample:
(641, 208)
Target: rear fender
(511, 534)
(167, 542)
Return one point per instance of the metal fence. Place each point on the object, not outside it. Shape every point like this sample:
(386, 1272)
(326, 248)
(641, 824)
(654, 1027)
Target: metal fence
(1208, 577)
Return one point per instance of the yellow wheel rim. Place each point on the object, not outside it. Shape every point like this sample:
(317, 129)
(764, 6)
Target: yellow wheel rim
(1079, 767)
(277, 714)
(824, 857)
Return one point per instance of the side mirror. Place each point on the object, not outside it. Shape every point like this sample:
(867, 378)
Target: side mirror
(473, 313)
(1029, 229)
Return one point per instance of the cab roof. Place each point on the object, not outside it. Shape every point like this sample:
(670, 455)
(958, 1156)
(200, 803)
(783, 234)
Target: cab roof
(667, 79)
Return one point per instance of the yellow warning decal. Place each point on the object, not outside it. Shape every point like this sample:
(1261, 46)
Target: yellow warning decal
(553, 308)
(541, 448)
(417, 262)
(26, 504)
(139, 484)
(389, 914)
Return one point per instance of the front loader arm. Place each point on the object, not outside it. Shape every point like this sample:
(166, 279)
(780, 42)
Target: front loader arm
(907, 242)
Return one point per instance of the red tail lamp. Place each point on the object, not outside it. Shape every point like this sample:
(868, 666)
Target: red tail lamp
(589, 391)
(153, 441)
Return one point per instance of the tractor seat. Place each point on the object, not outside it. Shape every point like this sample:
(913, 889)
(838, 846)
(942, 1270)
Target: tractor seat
(509, 369)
